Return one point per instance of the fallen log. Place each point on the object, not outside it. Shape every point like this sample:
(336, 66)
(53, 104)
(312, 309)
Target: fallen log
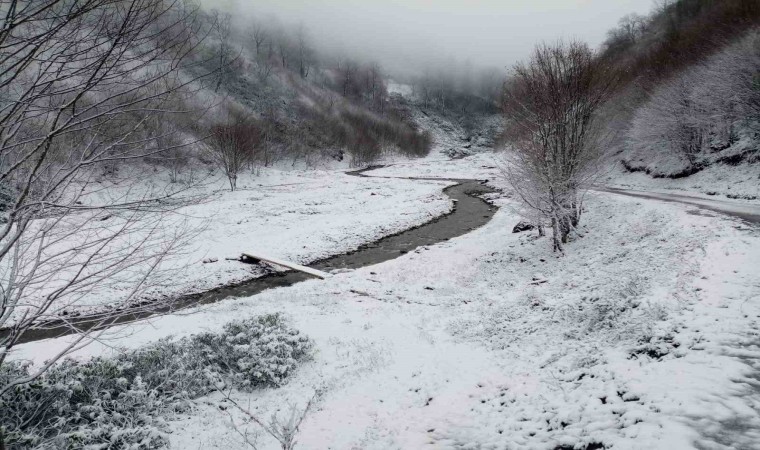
(289, 265)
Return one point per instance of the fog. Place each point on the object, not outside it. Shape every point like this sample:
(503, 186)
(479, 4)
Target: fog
(408, 35)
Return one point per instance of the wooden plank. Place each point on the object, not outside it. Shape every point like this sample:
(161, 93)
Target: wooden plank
(289, 265)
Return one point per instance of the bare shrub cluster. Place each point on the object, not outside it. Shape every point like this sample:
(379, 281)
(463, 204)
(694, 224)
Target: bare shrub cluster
(366, 136)
(234, 145)
(363, 134)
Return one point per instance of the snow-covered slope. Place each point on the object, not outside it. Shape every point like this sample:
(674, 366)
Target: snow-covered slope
(736, 182)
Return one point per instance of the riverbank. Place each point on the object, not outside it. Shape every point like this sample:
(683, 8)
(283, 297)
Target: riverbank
(469, 211)
(298, 215)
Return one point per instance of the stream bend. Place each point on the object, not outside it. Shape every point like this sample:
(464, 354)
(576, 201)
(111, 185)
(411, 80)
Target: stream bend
(470, 212)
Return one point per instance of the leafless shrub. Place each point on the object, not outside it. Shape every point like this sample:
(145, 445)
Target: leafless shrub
(233, 145)
(283, 430)
(366, 136)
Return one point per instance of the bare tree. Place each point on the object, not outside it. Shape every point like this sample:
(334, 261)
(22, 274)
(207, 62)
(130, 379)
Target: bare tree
(629, 31)
(634, 25)
(426, 88)
(305, 53)
(233, 145)
(268, 131)
(347, 72)
(174, 157)
(261, 37)
(259, 34)
(551, 104)
(704, 109)
(284, 46)
(226, 56)
(374, 87)
(669, 123)
(81, 81)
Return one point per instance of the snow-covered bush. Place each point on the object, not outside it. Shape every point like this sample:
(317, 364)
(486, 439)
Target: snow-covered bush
(121, 402)
(249, 354)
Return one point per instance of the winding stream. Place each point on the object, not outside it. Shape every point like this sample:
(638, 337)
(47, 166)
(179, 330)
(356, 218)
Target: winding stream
(470, 212)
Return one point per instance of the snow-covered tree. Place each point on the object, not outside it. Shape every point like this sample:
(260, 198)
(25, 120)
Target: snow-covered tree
(669, 122)
(82, 84)
(551, 105)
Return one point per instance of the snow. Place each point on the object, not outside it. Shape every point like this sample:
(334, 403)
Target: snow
(401, 89)
(643, 335)
(749, 211)
(302, 217)
(480, 163)
(739, 182)
(295, 215)
(482, 166)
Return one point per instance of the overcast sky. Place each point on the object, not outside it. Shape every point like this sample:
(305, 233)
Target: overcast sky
(410, 33)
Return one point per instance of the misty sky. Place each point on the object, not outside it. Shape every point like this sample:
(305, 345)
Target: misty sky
(410, 33)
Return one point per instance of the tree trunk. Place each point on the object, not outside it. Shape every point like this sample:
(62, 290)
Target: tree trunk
(2, 440)
(576, 219)
(556, 235)
(565, 228)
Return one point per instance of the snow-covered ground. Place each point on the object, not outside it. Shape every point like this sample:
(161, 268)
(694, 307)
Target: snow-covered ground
(481, 166)
(482, 162)
(642, 336)
(739, 182)
(302, 216)
(296, 215)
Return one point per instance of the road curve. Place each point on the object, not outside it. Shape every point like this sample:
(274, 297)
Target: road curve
(748, 212)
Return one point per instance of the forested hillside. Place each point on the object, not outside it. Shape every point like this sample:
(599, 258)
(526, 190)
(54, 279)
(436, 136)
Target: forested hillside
(307, 105)
(690, 96)
(299, 105)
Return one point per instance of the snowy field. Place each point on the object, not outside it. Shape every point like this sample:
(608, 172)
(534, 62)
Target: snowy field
(296, 215)
(302, 216)
(740, 182)
(481, 166)
(642, 336)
